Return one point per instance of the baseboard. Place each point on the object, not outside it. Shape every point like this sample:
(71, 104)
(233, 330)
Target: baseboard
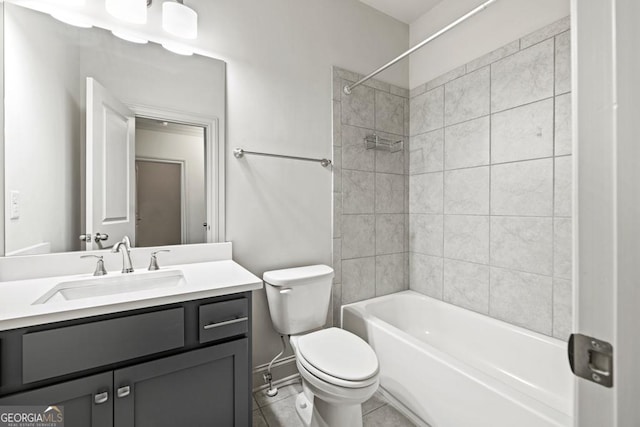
(282, 370)
(400, 407)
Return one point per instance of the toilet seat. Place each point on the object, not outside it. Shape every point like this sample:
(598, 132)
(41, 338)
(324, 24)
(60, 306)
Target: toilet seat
(338, 357)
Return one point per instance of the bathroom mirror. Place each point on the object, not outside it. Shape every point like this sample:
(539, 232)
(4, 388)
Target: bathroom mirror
(106, 138)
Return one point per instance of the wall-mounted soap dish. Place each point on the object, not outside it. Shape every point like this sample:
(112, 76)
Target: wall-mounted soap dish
(374, 142)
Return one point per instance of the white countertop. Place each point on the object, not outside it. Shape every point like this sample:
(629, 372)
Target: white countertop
(203, 280)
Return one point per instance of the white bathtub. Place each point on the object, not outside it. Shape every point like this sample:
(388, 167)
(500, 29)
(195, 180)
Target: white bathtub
(455, 368)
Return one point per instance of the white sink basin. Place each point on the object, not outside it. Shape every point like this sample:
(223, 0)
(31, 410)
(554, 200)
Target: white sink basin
(111, 285)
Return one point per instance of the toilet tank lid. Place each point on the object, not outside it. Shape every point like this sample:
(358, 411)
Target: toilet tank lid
(298, 275)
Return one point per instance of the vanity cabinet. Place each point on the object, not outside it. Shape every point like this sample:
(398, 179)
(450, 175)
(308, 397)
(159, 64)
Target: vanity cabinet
(180, 365)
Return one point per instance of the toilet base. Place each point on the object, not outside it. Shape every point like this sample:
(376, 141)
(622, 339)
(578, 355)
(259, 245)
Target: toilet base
(318, 413)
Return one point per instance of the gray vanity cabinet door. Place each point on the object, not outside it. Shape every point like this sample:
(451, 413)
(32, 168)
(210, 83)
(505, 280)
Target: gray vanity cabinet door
(87, 402)
(201, 388)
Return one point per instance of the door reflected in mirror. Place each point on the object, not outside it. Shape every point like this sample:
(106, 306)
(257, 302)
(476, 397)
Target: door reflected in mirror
(55, 191)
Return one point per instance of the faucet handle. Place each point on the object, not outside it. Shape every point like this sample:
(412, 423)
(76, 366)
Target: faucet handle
(153, 264)
(100, 270)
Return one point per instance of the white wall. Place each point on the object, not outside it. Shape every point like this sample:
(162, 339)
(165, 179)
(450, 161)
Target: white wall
(279, 56)
(42, 133)
(499, 24)
(167, 145)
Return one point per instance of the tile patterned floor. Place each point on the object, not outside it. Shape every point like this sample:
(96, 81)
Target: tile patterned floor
(280, 411)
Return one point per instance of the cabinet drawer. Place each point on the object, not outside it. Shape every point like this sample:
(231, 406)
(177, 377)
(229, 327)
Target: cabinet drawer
(223, 319)
(62, 351)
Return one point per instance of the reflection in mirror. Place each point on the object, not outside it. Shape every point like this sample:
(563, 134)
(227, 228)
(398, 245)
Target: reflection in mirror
(97, 130)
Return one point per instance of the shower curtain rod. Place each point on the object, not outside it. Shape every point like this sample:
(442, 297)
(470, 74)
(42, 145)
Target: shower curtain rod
(348, 88)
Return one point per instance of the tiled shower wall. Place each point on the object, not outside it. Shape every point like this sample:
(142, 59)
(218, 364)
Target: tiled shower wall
(490, 184)
(370, 232)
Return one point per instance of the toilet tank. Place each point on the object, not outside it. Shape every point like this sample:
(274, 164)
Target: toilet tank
(298, 297)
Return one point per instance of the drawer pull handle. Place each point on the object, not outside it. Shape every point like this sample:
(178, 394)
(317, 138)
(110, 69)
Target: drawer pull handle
(101, 398)
(124, 391)
(228, 322)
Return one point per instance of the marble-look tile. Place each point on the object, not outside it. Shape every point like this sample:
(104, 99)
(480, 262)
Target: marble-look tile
(466, 237)
(254, 404)
(336, 298)
(563, 143)
(358, 279)
(562, 248)
(522, 133)
(283, 392)
(389, 274)
(385, 416)
(467, 285)
(426, 111)
(467, 97)
(336, 169)
(562, 309)
(523, 299)
(425, 193)
(522, 243)
(376, 401)
(358, 107)
(467, 144)
(563, 191)
(358, 192)
(407, 118)
(426, 152)
(389, 113)
(337, 123)
(466, 191)
(337, 214)
(563, 63)
(425, 274)
(522, 188)
(493, 56)
(400, 91)
(354, 152)
(546, 32)
(346, 74)
(378, 84)
(425, 234)
(446, 77)
(387, 162)
(282, 413)
(389, 193)
(389, 233)
(257, 419)
(337, 260)
(358, 236)
(418, 90)
(523, 77)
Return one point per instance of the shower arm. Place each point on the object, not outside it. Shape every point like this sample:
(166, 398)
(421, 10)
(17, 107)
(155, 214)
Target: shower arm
(348, 88)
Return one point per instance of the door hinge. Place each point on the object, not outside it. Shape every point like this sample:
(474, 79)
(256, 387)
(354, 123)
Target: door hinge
(591, 359)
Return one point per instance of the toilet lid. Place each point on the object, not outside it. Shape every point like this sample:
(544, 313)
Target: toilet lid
(339, 354)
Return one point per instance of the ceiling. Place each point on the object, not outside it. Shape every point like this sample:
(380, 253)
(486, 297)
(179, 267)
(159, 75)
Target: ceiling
(406, 11)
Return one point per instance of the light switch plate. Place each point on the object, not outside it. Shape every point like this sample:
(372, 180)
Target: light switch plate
(14, 205)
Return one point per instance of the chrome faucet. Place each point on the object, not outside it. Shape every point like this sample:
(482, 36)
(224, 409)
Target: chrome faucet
(126, 256)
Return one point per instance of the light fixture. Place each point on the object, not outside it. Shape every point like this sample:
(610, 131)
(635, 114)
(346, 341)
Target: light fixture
(177, 48)
(179, 20)
(125, 35)
(131, 11)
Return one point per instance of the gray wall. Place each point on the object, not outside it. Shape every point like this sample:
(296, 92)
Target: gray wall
(370, 198)
(490, 184)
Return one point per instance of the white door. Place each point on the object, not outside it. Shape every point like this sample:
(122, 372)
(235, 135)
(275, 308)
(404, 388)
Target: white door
(606, 38)
(110, 169)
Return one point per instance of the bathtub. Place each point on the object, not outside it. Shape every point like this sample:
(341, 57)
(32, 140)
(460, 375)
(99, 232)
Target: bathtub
(452, 367)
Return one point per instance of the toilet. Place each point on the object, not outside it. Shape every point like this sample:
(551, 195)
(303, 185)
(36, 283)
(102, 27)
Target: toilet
(339, 370)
